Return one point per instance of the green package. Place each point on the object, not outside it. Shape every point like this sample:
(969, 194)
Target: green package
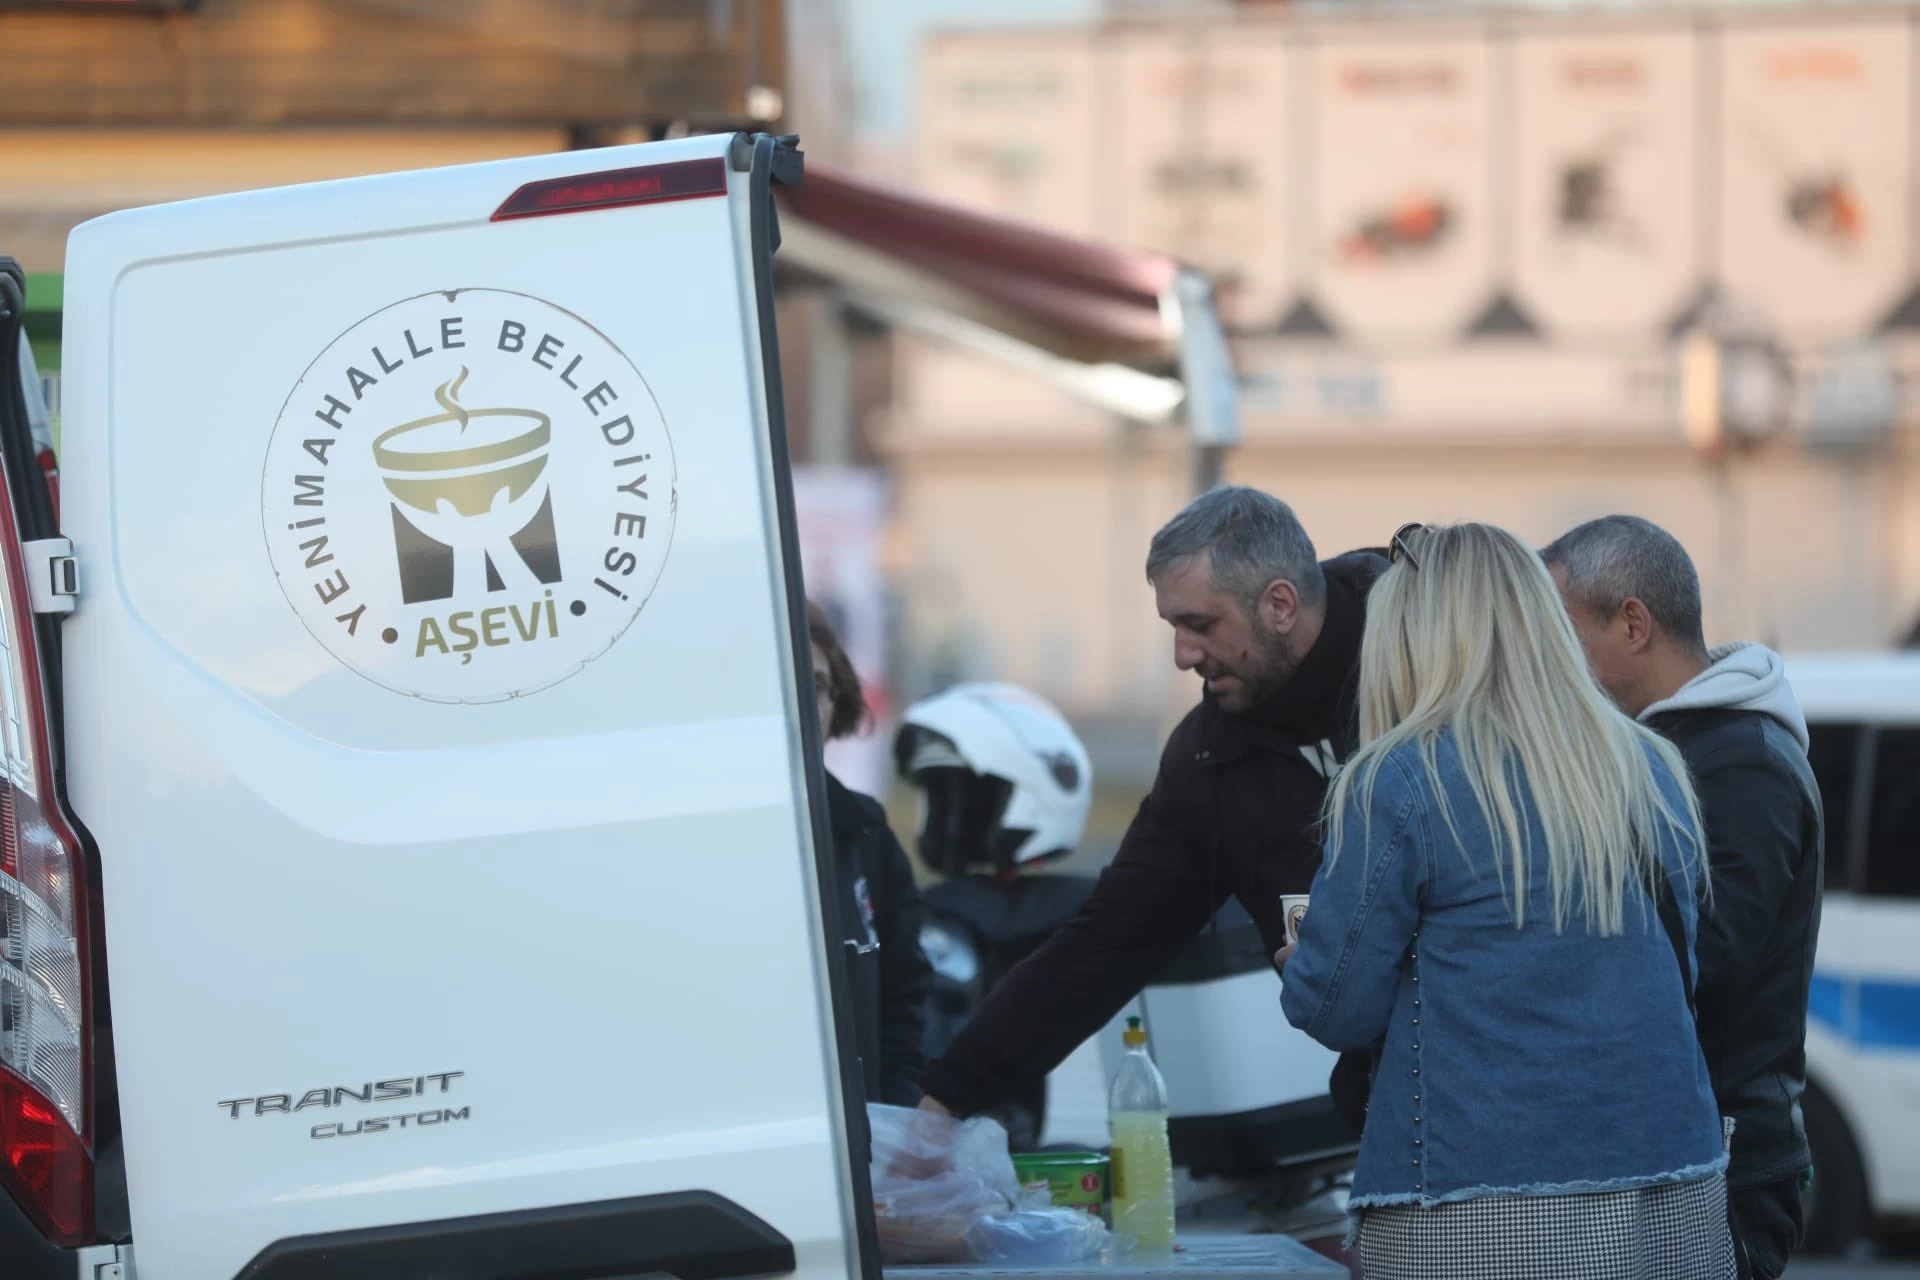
(1074, 1179)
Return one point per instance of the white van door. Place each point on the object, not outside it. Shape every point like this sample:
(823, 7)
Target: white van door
(434, 700)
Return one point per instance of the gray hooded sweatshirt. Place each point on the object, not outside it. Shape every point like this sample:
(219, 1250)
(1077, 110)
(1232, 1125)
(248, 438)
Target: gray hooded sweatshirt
(1741, 677)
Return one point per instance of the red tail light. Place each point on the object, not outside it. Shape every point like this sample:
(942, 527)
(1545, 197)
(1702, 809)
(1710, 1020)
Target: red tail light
(46, 1159)
(617, 188)
(48, 1164)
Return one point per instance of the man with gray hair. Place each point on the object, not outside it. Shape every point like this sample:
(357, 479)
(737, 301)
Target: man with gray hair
(1275, 635)
(1634, 598)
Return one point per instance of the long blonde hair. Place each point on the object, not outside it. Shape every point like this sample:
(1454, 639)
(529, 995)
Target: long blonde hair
(1472, 638)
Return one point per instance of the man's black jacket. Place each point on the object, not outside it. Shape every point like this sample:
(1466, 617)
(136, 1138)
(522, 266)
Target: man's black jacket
(1235, 810)
(1761, 809)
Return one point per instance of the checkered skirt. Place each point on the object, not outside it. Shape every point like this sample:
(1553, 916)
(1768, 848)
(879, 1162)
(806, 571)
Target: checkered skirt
(1675, 1231)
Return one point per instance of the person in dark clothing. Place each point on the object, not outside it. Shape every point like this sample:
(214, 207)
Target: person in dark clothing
(1234, 809)
(1634, 598)
(888, 976)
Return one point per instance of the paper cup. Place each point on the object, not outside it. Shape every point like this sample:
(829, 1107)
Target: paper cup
(1295, 907)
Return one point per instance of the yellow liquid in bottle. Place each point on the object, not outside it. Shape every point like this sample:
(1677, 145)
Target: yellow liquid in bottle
(1142, 1179)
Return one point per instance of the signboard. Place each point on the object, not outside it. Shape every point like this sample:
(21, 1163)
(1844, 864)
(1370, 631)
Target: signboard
(1382, 185)
(1606, 166)
(1193, 187)
(1815, 145)
(1402, 183)
(1007, 123)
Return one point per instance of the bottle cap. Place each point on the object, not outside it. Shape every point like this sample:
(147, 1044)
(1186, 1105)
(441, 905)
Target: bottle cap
(1134, 1036)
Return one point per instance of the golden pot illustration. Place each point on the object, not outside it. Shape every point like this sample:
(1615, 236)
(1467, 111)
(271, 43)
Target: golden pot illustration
(468, 478)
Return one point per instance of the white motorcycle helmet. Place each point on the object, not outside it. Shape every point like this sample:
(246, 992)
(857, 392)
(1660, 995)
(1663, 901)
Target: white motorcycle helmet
(1003, 779)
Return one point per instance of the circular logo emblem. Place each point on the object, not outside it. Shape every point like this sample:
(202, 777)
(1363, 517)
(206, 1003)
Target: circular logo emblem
(469, 495)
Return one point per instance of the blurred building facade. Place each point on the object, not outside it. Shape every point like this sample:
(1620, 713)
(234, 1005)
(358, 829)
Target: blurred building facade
(105, 106)
(1468, 260)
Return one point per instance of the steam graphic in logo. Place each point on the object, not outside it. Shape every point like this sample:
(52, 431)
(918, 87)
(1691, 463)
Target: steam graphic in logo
(469, 495)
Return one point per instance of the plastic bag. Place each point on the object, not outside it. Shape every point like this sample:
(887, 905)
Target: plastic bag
(933, 1178)
(944, 1190)
(1037, 1237)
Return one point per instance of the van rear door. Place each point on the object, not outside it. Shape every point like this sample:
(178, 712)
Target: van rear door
(435, 702)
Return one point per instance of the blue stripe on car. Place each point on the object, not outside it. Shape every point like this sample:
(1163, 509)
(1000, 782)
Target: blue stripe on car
(1871, 1013)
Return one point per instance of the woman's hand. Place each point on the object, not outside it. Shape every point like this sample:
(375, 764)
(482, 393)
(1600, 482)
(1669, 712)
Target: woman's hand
(1284, 954)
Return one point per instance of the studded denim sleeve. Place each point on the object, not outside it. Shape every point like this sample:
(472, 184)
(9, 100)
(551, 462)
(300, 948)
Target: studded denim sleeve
(1362, 915)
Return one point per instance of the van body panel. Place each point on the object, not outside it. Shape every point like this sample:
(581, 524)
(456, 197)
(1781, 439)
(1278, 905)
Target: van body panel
(409, 917)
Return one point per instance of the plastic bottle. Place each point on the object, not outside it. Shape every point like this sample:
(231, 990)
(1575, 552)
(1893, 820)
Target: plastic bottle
(1142, 1170)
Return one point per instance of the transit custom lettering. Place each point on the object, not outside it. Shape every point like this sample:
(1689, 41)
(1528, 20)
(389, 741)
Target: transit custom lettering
(369, 1093)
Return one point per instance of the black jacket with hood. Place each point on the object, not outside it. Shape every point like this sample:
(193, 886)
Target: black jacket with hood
(888, 977)
(1234, 809)
(1745, 742)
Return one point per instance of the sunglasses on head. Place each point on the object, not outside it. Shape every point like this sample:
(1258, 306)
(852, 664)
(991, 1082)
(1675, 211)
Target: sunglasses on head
(1398, 549)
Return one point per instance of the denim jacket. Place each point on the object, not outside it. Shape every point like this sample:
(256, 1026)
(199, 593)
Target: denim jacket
(1512, 1061)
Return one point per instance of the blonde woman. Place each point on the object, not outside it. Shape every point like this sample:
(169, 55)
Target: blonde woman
(1505, 917)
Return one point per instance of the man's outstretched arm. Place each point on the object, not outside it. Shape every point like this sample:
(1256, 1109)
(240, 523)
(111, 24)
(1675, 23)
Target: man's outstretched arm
(1152, 901)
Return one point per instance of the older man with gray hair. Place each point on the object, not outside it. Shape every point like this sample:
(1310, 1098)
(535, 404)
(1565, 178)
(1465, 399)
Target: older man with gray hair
(1634, 598)
(1275, 634)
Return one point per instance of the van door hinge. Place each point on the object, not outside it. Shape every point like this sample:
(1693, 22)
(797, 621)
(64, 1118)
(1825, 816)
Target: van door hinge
(53, 575)
(105, 1262)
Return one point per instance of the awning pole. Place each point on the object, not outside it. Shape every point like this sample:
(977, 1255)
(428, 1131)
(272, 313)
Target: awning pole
(1212, 405)
(1208, 466)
